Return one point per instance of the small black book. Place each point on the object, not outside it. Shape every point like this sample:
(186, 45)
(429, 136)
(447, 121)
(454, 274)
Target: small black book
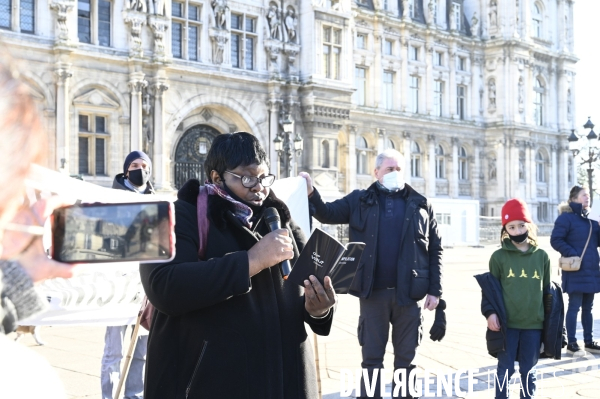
(323, 256)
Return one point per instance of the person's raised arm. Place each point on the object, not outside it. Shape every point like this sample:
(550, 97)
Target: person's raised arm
(336, 212)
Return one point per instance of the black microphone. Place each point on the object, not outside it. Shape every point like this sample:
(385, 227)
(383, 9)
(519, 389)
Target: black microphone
(274, 222)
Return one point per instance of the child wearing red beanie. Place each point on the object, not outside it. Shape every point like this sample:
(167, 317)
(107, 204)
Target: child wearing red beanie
(522, 270)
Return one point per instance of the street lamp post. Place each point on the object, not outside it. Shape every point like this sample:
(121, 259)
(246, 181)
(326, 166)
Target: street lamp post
(592, 156)
(285, 146)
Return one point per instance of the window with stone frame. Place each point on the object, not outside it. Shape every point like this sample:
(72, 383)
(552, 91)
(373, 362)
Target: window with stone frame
(456, 9)
(24, 18)
(243, 41)
(94, 22)
(360, 83)
(388, 90)
(415, 160)
(438, 97)
(461, 63)
(536, 20)
(463, 164)
(332, 51)
(361, 156)
(414, 53)
(361, 41)
(439, 58)
(440, 163)
(540, 167)
(538, 102)
(389, 144)
(388, 47)
(414, 94)
(93, 140)
(186, 27)
(5, 14)
(461, 101)
(411, 8)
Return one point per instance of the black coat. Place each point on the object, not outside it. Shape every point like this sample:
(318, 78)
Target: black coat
(493, 302)
(218, 333)
(419, 241)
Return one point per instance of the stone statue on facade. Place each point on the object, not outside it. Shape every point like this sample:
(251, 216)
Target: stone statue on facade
(569, 105)
(492, 93)
(452, 19)
(474, 25)
(291, 21)
(219, 8)
(219, 42)
(431, 12)
(274, 20)
(493, 14)
(157, 7)
(521, 94)
(405, 6)
(137, 5)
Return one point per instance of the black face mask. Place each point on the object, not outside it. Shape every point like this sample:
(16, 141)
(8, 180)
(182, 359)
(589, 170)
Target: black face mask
(520, 238)
(138, 177)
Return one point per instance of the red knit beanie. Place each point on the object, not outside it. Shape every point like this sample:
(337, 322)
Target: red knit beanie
(515, 209)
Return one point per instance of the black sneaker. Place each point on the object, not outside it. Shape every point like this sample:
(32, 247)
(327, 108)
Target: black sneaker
(573, 347)
(592, 347)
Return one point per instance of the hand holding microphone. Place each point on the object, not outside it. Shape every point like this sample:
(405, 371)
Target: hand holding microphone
(274, 248)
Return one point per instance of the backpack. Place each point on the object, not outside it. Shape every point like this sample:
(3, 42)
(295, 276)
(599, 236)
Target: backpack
(146, 313)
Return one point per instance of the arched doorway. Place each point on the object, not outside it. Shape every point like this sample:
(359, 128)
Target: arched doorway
(191, 153)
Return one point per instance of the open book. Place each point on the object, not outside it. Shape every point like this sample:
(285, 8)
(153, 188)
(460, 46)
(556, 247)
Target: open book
(323, 256)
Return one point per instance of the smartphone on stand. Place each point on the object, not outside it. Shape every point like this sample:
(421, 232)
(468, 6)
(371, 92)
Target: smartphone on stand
(123, 232)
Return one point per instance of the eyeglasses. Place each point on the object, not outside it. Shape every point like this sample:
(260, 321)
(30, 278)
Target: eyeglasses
(251, 181)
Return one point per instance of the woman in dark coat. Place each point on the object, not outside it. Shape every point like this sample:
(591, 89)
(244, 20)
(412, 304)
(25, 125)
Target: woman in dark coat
(570, 233)
(229, 326)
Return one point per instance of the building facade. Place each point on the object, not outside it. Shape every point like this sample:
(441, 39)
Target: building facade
(478, 95)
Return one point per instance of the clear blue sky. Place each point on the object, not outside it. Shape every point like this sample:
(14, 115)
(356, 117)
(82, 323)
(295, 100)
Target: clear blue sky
(587, 48)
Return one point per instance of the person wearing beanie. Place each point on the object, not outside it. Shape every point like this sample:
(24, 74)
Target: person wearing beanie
(519, 273)
(137, 170)
(572, 230)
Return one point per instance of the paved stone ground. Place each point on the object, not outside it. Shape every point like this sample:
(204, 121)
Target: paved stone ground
(76, 352)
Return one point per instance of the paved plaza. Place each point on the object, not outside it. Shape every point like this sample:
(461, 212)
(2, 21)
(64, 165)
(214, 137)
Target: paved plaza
(76, 352)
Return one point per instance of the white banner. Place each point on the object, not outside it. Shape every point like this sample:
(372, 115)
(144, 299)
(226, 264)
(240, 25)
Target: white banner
(110, 294)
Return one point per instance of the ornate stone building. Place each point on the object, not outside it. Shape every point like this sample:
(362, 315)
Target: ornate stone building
(477, 94)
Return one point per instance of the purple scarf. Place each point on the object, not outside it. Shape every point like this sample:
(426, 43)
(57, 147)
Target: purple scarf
(242, 211)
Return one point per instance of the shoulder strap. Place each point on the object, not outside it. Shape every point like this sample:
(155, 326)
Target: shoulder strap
(202, 206)
(588, 240)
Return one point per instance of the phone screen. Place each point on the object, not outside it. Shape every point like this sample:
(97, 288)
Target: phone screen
(113, 232)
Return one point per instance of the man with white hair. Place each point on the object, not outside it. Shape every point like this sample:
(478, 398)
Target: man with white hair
(400, 266)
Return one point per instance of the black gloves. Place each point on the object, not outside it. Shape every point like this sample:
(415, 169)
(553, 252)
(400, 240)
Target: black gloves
(438, 329)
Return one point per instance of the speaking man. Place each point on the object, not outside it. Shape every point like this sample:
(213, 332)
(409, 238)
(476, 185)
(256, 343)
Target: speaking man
(400, 266)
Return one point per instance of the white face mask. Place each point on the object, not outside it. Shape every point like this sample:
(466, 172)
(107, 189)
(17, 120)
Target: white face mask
(393, 181)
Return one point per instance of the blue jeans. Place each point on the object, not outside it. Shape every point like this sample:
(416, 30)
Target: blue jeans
(528, 343)
(585, 302)
(111, 364)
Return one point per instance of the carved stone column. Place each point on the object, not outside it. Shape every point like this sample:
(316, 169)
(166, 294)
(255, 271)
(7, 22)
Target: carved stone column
(135, 20)
(453, 179)
(407, 158)
(404, 74)
(159, 25)
(552, 183)
(476, 174)
(273, 104)
(161, 160)
(430, 182)
(62, 8)
(136, 86)
(63, 131)
(351, 168)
